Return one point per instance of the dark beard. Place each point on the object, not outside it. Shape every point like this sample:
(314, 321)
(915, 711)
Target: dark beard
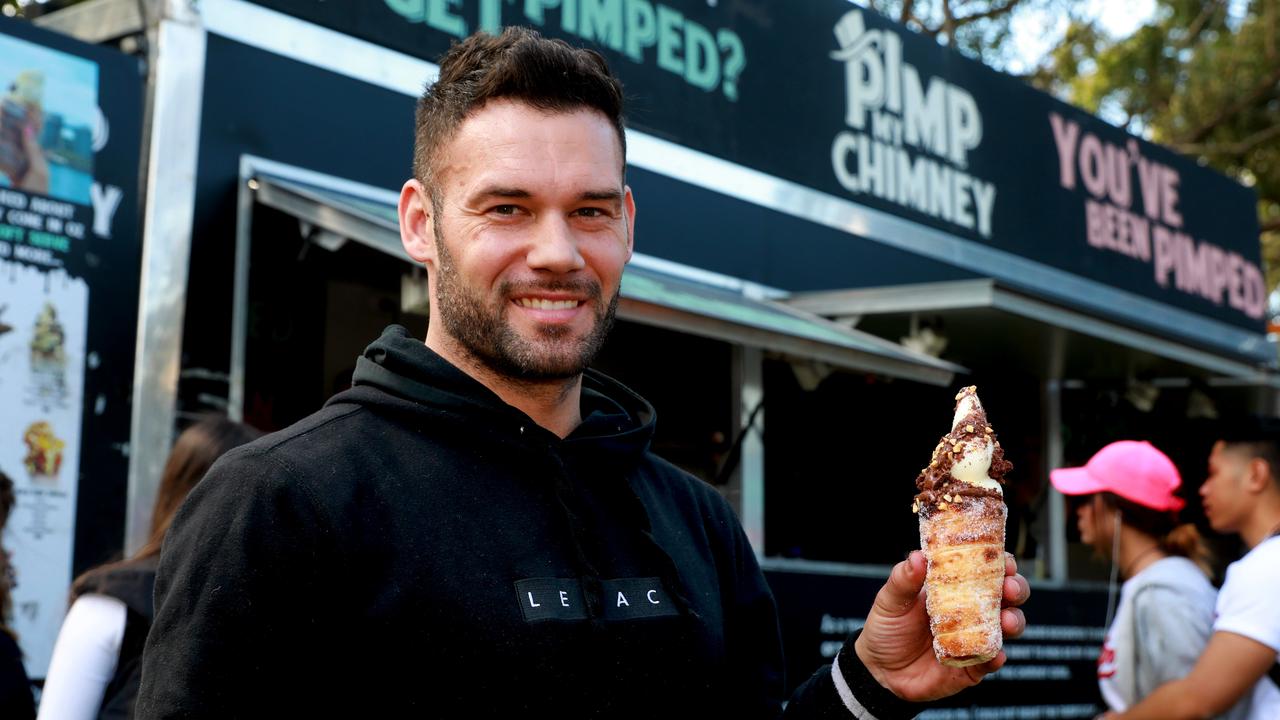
(486, 335)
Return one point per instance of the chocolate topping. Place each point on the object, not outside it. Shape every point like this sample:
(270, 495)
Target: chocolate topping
(935, 481)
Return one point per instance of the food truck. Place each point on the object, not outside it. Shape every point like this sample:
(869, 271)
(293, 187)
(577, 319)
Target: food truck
(839, 223)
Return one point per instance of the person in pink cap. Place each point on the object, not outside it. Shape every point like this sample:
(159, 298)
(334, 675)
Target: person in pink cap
(1127, 510)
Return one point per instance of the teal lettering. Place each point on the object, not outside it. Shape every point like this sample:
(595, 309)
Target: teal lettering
(669, 40)
(702, 57)
(601, 21)
(734, 62)
(11, 232)
(642, 28)
(491, 16)
(439, 17)
(569, 16)
(52, 242)
(533, 9)
(411, 10)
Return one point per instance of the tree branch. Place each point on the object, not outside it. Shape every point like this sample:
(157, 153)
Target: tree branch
(991, 12)
(1268, 85)
(905, 15)
(1237, 148)
(1270, 226)
(948, 23)
(1197, 26)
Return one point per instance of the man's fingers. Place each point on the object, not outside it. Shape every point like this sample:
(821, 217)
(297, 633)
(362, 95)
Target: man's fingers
(1016, 591)
(903, 589)
(977, 672)
(1010, 564)
(1012, 622)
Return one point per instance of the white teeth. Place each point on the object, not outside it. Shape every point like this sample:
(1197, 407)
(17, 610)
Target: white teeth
(542, 304)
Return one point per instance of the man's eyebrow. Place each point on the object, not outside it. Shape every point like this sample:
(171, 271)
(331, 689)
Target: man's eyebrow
(602, 195)
(502, 191)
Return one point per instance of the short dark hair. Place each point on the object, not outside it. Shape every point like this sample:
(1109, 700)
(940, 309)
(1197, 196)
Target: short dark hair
(1259, 437)
(518, 64)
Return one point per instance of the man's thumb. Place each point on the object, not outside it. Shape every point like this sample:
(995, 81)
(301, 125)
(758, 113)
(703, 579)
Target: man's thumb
(903, 589)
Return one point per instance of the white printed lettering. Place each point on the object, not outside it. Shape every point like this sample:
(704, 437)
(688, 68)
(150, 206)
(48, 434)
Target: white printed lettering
(650, 595)
(106, 200)
(531, 602)
(564, 598)
(622, 600)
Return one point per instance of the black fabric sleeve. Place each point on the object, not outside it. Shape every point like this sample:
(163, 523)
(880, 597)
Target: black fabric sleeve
(818, 697)
(16, 701)
(240, 598)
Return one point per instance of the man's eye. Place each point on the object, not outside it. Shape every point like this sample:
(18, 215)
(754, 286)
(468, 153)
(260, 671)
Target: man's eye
(591, 212)
(504, 209)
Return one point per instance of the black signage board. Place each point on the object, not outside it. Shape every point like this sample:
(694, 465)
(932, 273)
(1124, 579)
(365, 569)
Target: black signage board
(843, 101)
(70, 134)
(1051, 672)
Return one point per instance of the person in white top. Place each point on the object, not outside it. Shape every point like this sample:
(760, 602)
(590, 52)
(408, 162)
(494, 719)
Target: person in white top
(97, 660)
(1241, 496)
(1127, 510)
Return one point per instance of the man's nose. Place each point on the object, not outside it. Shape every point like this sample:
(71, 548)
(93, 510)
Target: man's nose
(554, 247)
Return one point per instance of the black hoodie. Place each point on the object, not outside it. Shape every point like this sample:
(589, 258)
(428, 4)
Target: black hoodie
(419, 548)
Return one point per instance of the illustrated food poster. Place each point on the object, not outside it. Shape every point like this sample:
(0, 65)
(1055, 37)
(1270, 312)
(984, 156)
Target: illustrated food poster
(69, 258)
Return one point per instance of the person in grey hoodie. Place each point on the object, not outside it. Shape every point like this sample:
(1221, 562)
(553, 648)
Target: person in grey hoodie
(1127, 509)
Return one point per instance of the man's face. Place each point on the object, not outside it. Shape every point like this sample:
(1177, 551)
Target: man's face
(532, 226)
(1226, 504)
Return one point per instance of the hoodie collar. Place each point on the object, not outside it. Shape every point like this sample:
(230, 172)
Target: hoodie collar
(400, 372)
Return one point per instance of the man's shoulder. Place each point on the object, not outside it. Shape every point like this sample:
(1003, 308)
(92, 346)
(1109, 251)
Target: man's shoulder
(1258, 563)
(320, 440)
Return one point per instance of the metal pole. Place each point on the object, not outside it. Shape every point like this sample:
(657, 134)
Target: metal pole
(750, 363)
(176, 85)
(1057, 506)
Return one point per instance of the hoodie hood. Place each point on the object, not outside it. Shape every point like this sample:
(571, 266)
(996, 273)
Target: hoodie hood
(400, 374)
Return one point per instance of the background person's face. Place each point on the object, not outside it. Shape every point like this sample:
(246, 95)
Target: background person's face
(1094, 521)
(533, 228)
(1222, 494)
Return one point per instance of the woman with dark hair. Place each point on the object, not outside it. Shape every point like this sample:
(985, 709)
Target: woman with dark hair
(15, 688)
(1127, 509)
(97, 661)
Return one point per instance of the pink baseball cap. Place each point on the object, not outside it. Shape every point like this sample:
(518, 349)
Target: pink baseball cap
(1134, 470)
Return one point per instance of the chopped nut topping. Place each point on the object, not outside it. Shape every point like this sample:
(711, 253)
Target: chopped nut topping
(942, 506)
(988, 429)
(957, 447)
(933, 464)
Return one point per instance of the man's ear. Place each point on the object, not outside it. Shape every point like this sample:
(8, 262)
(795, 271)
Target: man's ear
(629, 207)
(417, 216)
(1259, 475)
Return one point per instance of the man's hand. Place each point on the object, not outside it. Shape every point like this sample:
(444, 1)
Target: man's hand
(897, 646)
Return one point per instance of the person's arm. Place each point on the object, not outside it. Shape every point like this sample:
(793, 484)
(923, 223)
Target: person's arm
(243, 594)
(84, 659)
(1229, 667)
(888, 666)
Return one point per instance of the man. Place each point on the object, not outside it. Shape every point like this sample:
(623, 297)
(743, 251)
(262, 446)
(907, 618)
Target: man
(477, 527)
(1237, 669)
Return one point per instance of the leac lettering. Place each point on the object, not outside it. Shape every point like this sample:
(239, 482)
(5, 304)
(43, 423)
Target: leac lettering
(650, 595)
(532, 603)
(622, 600)
(564, 598)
